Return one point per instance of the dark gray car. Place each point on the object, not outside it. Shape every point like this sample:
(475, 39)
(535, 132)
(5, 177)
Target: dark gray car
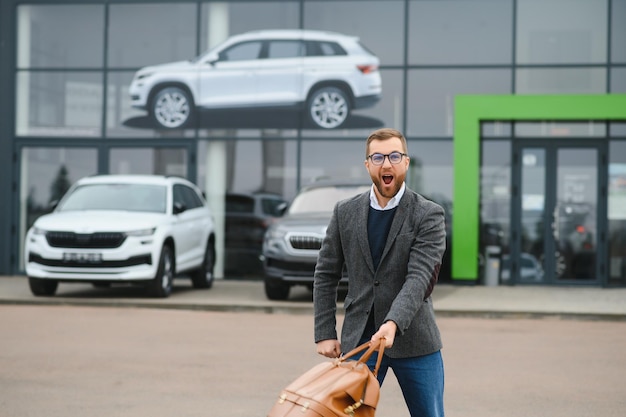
(292, 243)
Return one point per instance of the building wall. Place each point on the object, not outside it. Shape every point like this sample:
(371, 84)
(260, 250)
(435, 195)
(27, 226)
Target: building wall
(66, 68)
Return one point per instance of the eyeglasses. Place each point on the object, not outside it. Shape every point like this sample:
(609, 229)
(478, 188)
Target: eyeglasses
(379, 158)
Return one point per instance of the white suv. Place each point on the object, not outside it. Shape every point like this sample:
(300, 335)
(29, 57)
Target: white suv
(123, 228)
(326, 74)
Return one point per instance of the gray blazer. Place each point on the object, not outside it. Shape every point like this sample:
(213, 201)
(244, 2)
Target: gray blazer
(398, 290)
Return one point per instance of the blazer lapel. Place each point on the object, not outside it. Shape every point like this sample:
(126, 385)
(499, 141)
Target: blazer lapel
(361, 217)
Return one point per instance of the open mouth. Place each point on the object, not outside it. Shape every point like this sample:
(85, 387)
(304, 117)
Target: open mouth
(387, 179)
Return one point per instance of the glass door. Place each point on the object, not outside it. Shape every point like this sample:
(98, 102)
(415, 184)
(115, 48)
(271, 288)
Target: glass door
(557, 212)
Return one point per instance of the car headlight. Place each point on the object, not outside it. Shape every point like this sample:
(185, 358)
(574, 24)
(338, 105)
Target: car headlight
(141, 232)
(274, 234)
(144, 75)
(38, 231)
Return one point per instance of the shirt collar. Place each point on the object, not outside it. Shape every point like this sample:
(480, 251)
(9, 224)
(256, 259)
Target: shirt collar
(393, 203)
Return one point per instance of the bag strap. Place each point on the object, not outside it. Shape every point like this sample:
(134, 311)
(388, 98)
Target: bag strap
(371, 348)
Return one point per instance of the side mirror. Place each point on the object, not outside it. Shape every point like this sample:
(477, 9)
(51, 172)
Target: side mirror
(281, 208)
(179, 208)
(211, 59)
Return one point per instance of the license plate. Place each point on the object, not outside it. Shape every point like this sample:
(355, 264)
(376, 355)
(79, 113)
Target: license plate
(82, 257)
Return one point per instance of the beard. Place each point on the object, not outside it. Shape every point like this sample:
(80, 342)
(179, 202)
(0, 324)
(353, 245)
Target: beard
(386, 191)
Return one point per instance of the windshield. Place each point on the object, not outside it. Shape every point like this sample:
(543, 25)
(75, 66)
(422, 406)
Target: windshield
(323, 199)
(127, 197)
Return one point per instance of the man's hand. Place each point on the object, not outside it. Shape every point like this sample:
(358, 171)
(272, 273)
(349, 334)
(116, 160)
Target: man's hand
(388, 331)
(331, 348)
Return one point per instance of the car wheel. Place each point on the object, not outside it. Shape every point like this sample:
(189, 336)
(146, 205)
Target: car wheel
(42, 287)
(203, 276)
(172, 108)
(328, 107)
(276, 290)
(161, 285)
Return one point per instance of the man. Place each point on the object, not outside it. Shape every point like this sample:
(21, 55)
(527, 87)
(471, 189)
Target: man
(391, 241)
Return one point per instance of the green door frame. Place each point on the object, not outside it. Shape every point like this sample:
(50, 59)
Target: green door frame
(469, 112)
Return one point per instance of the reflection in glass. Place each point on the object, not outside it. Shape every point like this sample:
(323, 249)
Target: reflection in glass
(561, 31)
(149, 161)
(460, 32)
(575, 221)
(124, 120)
(533, 212)
(333, 160)
(58, 104)
(47, 36)
(617, 213)
(248, 168)
(46, 173)
(495, 200)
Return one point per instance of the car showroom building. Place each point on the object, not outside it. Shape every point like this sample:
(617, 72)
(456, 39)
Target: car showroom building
(514, 110)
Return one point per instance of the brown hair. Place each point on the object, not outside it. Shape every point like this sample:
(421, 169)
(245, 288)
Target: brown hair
(383, 134)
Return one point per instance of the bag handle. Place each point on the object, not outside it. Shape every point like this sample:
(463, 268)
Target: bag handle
(371, 348)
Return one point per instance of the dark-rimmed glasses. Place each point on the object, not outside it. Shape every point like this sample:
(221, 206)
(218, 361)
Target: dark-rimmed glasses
(379, 158)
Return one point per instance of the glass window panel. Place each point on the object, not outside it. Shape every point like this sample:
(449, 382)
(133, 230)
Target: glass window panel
(60, 36)
(334, 160)
(560, 129)
(496, 129)
(157, 161)
(617, 212)
(430, 171)
(431, 93)
(495, 197)
(618, 80)
(341, 16)
(618, 85)
(618, 31)
(460, 32)
(58, 103)
(431, 174)
(147, 34)
(617, 129)
(221, 19)
(46, 173)
(247, 167)
(560, 81)
(561, 31)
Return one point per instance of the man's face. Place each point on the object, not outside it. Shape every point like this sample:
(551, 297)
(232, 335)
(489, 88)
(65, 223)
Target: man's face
(387, 178)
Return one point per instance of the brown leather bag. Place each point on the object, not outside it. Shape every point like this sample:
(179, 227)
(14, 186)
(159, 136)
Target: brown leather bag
(338, 388)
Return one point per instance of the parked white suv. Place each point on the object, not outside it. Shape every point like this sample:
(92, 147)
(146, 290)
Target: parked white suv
(142, 229)
(326, 74)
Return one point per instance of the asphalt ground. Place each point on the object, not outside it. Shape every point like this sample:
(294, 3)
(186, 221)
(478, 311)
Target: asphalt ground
(227, 351)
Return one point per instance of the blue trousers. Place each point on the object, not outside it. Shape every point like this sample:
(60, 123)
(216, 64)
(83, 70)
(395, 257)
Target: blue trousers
(421, 379)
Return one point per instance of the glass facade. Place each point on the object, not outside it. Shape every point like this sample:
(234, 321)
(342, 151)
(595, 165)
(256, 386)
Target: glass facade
(78, 71)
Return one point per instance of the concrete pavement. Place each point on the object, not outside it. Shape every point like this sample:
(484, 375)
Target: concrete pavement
(241, 295)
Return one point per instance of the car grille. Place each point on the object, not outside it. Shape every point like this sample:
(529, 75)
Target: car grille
(100, 240)
(305, 242)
